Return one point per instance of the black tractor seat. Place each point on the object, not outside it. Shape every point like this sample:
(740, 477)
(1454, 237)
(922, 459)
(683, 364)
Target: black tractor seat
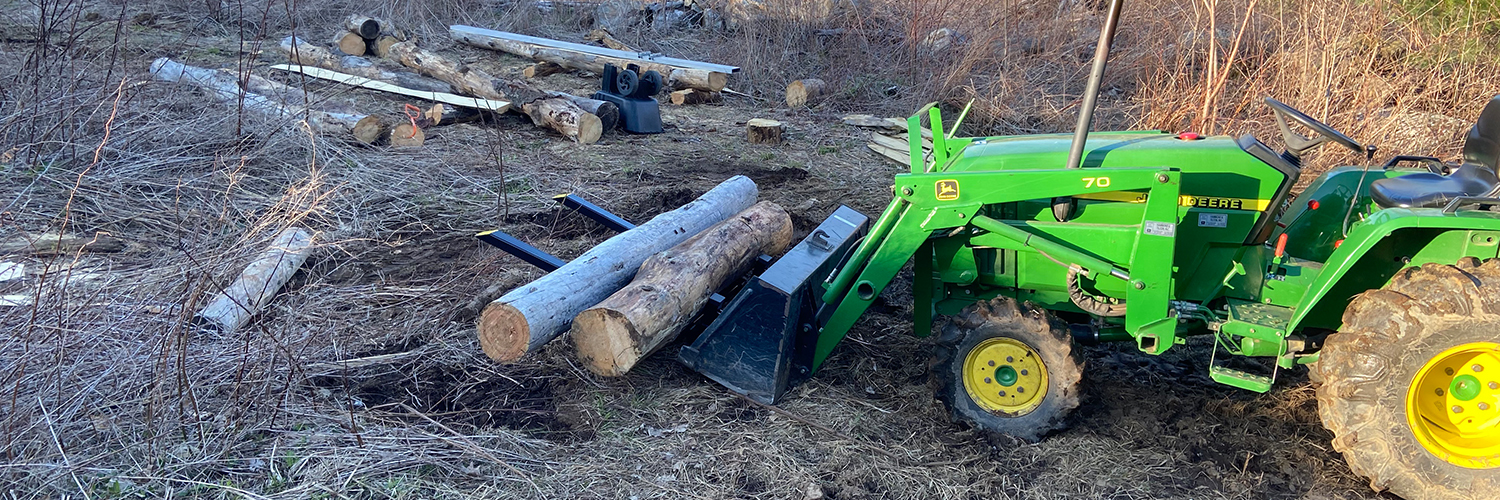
(1475, 177)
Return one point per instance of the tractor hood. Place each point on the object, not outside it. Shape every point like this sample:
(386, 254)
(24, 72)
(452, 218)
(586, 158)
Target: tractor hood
(1103, 149)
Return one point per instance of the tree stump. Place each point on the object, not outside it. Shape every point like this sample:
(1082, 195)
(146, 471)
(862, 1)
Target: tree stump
(763, 131)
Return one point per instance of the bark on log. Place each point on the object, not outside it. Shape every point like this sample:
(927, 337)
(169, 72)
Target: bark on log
(671, 287)
(49, 244)
(807, 91)
(694, 96)
(604, 37)
(224, 89)
(608, 112)
(300, 52)
(560, 114)
(242, 300)
(763, 131)
(700, 79)
(529, 316)
(349, 43)
(463, 78)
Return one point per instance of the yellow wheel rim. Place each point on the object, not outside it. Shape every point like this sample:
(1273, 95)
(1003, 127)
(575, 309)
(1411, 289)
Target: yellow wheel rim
(1005, 376)
(1453, 405)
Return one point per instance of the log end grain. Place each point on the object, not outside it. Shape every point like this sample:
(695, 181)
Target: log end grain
(503, 332)
(542, 69)
(406, 136)
(350, 43)
(763, 131)
(381, 47)
(695, 96)
(369, 130)
(801, 92)
(590, 128)
(606, 341)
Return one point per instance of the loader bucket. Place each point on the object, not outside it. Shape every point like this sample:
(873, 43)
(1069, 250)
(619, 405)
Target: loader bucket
(762, 343)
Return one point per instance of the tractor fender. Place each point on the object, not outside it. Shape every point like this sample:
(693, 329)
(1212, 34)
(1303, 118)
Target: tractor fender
(1386, 242)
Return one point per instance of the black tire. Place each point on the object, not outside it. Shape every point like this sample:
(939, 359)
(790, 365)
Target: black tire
(1047, 336)
(1367, 368)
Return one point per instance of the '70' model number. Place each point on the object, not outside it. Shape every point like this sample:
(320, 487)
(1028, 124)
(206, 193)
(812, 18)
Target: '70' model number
(1090, 182)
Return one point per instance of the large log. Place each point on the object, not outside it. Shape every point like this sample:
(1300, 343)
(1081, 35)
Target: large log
(671, 287)
(236, 304)
(224, 89)
(545, 110)
(608, 112)
(531, 315)
(698, 78)
(298, 51)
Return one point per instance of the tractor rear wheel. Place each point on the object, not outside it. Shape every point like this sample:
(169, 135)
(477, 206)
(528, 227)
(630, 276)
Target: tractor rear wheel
(1008, 368)
(1411, 384)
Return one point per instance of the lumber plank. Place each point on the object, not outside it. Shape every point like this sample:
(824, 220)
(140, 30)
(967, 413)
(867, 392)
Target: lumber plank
(497, 106)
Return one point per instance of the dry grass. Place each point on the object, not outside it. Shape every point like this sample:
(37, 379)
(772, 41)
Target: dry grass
(363, 378)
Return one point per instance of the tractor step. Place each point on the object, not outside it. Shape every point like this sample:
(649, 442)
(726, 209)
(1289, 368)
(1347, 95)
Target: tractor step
(1243, 380)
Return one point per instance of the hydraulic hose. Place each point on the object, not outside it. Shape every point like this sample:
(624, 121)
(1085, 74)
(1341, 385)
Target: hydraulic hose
(1089, 303)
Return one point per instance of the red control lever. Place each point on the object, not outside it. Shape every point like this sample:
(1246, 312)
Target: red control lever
(1281, 245)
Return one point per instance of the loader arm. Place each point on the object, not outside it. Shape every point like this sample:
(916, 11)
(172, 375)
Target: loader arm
(933, 205)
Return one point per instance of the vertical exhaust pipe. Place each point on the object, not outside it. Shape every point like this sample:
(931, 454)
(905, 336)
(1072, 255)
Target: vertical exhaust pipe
(1091, 94)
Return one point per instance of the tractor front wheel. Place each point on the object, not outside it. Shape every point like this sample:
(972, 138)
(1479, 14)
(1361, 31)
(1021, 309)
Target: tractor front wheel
(1411, 384)
(1008, 368)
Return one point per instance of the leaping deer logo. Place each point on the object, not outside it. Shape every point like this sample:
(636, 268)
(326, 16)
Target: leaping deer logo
(947, 190)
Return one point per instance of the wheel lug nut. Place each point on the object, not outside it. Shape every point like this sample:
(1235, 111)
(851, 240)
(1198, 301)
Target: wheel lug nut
(1009, 359)
(992, 362)
(1440, 392)
(986, 380)
(1458, 409)
(1448, 371)
(1023, 372)
(1477, 368)
(1021, 389)
(1002, 393)
(1484, 406)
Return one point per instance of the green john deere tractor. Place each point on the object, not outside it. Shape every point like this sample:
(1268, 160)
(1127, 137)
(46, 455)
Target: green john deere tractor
(1384, 279)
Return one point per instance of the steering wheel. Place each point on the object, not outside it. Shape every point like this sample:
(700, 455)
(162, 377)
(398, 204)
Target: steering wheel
(1296, 143)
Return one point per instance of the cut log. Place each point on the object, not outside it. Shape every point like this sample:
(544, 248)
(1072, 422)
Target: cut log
(604, 37)
(406, 136)
(560, 114)
(531, 315)
(671, 288)
(50, 244)
(587, 58)
(349, 43)
(365, 26)
(763, 131)
(698, 79)
(224, 89)
(300, 52)
(370, 130)
(463, 78)
(804, 92)
(381, 47)
(695, 96)
(236, 304)
(542, 69)
(608, 112)
(358, 81)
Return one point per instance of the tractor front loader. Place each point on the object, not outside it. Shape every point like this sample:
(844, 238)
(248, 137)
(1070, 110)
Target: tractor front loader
(1383, 278)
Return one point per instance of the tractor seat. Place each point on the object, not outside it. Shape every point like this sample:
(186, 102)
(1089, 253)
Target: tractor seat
(1475, 177)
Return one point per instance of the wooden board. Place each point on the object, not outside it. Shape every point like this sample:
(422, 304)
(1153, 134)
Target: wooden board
(362, 82)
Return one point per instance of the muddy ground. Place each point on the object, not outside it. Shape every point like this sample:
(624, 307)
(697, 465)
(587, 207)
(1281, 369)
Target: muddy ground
(364, 378)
